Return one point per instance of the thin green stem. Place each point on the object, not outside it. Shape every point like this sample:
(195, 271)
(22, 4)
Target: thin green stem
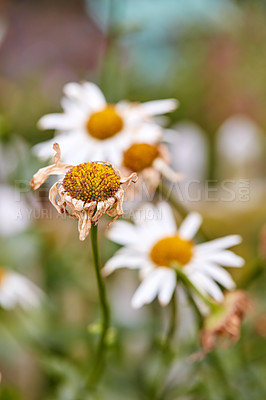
(173, 321)
(100, 352)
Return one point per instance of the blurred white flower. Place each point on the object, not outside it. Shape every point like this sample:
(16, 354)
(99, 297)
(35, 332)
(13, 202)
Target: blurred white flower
(91, 129)
(189, 150)
(155, 246)
(14, 213)
(239, 145)
(16, 290)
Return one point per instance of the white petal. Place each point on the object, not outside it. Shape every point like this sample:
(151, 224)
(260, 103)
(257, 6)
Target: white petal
(57, 121)
(206, 284)
(130, 261)
(148, 133)
(149, 288)
(94, 95)
(159, 106)
(219, 274)
(18, 290)
(123, 232)
(190, 226)
(167, 288)
(216, 244)
(167, 221)
(74, 91)
(226, 258)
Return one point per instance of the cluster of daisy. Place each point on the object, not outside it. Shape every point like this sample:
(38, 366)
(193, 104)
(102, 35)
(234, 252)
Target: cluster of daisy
(96, 138)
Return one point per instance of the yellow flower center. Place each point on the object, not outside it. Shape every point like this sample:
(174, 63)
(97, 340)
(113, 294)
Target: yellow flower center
(104, 124)
(140, 156)
(2, 275)
(91, 181)
(171, 249)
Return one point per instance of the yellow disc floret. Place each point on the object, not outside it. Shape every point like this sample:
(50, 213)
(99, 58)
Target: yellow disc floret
(2, 274)
(105, 123)
(140, 156)
(171, 249)
(91, 181)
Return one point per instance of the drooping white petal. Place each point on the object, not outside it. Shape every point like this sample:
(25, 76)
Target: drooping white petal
(226, 258)
(206, 285)
(159, 106)
(149, 288)
(167, 288)
(218, 244)
(219, 274)
(190, 226)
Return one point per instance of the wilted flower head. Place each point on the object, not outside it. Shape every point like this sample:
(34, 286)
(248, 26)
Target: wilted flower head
(15, 290)
(225, 322)
(86, 192)
(91, 129)
(161, 251)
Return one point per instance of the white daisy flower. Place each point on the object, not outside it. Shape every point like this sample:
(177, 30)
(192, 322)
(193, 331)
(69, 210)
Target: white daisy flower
(156, 247)
(16, 290)
(90, 128)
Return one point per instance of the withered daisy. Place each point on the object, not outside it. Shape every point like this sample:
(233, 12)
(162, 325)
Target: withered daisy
(86, 192)
(223, 325)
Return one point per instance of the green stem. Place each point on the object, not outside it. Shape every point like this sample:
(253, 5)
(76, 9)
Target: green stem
(100, 352)
(172, 325)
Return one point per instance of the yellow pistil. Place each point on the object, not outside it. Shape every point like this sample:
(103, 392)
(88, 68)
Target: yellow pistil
(2, 275)
(91, 182)
(171, 249)
(140, 156)
(104, 124)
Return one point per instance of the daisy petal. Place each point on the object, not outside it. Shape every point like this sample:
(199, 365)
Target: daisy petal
(159, 106)
(226, 258)
(148, 289)
(148, 133)
(219, 274)
(221, 243)
(190, 226)
(74, 91)
(57, 121)
(94, 95)
(167, 222)
(206, 285)
(123, 232)
(123, 261)
(167, 288)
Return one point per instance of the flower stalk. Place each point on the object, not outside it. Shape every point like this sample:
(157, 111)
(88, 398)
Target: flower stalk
(100, 352)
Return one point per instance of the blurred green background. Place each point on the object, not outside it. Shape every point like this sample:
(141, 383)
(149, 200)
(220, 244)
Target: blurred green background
(209, 54)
